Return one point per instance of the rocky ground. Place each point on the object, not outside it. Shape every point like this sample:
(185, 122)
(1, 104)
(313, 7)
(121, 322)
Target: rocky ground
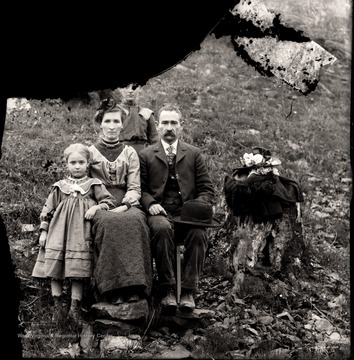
(307, 317)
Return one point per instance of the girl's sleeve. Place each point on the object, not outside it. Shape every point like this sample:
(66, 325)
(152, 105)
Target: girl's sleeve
(49, 208)
(133, 194)
(104, 197)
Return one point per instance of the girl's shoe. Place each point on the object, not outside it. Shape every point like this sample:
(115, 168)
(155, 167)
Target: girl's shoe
(74, 311)
(59, 309)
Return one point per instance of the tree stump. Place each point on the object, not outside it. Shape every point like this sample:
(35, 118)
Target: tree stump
(272, 248)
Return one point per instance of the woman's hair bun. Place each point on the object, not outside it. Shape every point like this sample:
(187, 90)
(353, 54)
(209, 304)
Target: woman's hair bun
(106, 105)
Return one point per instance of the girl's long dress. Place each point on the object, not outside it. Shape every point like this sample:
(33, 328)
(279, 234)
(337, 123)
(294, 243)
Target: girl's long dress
(122, 257)
(68, 251)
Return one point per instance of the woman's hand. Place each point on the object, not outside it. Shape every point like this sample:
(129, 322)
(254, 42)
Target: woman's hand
(119, 209)
(157, 209)
(90, 213)
(43, 239)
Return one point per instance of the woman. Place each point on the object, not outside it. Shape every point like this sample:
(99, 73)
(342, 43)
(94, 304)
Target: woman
(139, 129)
(122, 261)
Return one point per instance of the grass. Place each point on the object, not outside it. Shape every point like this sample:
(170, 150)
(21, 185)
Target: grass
(221, 98)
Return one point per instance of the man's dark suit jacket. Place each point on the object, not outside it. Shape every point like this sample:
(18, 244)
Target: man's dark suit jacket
(191, 172)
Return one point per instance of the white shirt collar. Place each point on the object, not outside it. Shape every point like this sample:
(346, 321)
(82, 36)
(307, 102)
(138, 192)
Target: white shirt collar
(165, 146)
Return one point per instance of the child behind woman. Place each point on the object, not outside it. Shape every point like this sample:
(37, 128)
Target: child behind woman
(65, 230)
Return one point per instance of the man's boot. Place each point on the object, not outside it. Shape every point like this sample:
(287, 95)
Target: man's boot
(187, 303)
(168, 299)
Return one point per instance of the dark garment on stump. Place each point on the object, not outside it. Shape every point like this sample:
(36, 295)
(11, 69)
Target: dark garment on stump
(163, 232)
(262, 196)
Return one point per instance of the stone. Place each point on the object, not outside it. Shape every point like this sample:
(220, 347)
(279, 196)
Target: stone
(127, 311)
(295, 63)
(28, 227)
(335, 336)
(87, 337)
(264, 41)
(176, 352)
(324, 325)
(265, 320)
(116, 327)
(204, 312)
(293, 338)
(111, 344)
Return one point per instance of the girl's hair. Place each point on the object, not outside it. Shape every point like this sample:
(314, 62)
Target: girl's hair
(108, 105)
(80, 148)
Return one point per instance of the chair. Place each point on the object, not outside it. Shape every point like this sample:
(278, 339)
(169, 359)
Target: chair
(179, 242)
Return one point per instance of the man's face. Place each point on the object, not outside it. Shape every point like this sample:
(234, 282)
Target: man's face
(169, 126)
(130, 93)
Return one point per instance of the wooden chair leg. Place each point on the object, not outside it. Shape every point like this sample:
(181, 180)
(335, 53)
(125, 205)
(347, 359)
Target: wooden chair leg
(178, 273)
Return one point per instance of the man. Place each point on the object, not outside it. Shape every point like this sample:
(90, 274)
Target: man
(173, 172)
(139, 129)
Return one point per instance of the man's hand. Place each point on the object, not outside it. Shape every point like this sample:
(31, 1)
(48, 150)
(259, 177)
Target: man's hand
(43, 239)
(157, 209)
(90, 213)
(119, 209)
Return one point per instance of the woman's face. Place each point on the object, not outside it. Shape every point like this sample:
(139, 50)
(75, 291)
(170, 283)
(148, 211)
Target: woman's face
(111, 125)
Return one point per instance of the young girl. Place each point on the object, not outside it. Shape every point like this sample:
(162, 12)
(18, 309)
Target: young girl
(65, 230)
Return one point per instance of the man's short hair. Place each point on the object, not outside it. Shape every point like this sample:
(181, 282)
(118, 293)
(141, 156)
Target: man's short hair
(169, 107)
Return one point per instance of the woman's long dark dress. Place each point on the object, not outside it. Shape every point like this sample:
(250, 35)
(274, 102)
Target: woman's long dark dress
(122, 259)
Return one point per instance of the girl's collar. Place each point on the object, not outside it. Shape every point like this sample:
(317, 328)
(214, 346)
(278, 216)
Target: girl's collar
(77, 180)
